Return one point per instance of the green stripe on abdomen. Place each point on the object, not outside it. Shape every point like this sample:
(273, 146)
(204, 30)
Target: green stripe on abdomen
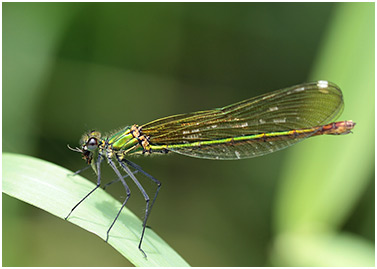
(265, 137)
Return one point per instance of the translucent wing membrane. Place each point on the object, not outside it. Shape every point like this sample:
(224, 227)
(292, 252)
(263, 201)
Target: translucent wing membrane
(299, 107)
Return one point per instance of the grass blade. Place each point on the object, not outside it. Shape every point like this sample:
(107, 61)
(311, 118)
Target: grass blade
(54, 189)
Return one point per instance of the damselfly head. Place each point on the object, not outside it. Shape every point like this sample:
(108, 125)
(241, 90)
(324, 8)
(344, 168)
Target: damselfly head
(89, 143)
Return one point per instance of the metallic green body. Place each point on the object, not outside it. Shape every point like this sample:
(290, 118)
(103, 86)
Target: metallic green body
(249, 128)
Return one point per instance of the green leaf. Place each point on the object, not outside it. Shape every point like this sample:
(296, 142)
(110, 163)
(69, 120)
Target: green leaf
(55, 190)
(323, 250)
(323, 180)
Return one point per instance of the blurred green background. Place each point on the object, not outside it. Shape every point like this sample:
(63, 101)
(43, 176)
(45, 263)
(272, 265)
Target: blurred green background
(72, 67)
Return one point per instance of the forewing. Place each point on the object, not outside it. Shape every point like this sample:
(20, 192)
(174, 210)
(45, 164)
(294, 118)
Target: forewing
(302, 106)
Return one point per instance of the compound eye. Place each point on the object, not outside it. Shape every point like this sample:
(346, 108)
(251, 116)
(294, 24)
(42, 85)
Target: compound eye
(92, 144)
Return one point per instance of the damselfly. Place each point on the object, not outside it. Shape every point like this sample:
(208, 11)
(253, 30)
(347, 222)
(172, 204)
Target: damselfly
(250, 128)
